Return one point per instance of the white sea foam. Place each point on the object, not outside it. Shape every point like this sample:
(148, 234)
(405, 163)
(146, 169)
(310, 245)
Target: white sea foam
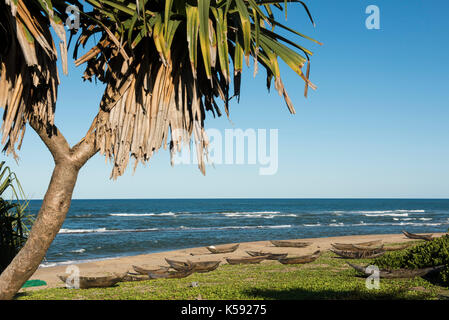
(70, 262)
(339, 224)
(78, 251)
(103, 230)
(386, 215)
(142, 214)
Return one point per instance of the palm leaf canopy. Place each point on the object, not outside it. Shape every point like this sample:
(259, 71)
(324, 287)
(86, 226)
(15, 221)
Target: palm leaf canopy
(28, 70)
(164, 63)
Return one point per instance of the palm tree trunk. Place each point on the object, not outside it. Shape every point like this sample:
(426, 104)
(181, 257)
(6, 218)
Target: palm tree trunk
(50, 218)
(56, 204)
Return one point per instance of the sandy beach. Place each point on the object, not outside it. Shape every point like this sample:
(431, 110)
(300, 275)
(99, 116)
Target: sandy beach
(123, 264)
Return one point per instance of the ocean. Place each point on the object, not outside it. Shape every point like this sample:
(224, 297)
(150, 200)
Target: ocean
(102, 229)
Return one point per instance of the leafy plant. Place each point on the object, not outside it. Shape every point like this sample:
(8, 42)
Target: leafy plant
(427, 254)
(14, 221)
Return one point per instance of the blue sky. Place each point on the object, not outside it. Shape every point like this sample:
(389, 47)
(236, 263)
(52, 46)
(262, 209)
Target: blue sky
(376, 127)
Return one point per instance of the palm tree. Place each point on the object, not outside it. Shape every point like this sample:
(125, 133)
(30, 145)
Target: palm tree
(164, 63)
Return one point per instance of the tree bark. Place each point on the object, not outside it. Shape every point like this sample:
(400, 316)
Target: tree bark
(51, 216)
(56, 203)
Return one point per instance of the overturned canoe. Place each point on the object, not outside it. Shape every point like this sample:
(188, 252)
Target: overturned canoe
(359, 254)
(94, 282)
(417, 236)
(170, 274)
(357, 246)
(226, 248)
(267, 255)
(300, 260)
(288, 243)
(245, 260)
(398, 273)
(145, 271)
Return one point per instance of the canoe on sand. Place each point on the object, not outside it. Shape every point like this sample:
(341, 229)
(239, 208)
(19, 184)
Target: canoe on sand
(300, 259)
(398, 273)
(417, 236)
(289, 243)
(226, 248)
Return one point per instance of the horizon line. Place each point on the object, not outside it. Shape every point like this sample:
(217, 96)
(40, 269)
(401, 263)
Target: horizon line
(263, 198)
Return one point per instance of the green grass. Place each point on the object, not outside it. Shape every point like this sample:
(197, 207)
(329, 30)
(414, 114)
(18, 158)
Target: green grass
(326, 278)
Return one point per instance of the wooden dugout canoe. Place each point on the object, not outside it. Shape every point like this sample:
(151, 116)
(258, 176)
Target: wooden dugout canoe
(205, 266)
(302, 259)
(417, 236)
(245, 260)
(357, 246)
(267, 255)
(199, 266)
(398, 273)
(170, 274)
(96, 282)
(145, 271)
(359, 254)
(227, 248)
(288, 243)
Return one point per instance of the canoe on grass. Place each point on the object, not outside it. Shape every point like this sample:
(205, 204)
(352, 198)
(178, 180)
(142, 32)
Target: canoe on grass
(226, 248)
(96, 282)
(288, 243)
(145, 271)
(204, 266)
(267, 255)
(398, 273)
(417, 236)
(199, 266)
(357, 246)
(359, 254)
(170, 274)
(245, 260)
(300, 260)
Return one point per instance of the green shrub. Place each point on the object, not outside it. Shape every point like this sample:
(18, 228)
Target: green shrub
(428, 254)
(13, 218)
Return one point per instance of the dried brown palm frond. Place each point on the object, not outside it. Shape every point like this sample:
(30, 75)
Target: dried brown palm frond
(29, 75)
(165, 63)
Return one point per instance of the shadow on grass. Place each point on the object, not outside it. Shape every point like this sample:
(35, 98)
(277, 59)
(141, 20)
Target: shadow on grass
(302, 294)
